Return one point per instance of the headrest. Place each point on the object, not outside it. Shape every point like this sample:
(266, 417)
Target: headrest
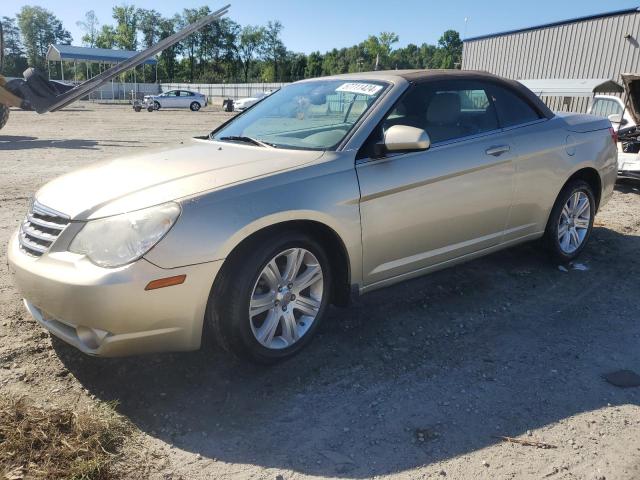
(401, 109)
(444, 108)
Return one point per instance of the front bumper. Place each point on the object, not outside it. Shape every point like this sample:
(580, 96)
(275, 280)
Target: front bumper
(107, 312)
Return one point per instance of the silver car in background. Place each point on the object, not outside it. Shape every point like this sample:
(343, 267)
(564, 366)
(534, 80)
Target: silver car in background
(328, 188)
(177, 99)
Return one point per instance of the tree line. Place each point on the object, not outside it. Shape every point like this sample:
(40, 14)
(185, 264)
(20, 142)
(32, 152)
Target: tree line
(224, 51)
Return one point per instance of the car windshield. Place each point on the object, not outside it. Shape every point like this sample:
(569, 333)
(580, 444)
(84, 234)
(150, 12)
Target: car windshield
(314, 115)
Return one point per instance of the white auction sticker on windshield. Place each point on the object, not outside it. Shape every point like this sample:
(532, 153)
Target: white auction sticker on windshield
(358, 88)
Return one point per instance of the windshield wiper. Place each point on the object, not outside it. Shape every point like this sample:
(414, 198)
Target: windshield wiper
(254, 141)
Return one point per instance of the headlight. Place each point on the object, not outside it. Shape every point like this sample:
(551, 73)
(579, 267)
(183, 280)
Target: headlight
(121, 239)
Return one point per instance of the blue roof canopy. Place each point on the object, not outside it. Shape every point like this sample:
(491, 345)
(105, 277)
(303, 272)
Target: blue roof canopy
(58, 53)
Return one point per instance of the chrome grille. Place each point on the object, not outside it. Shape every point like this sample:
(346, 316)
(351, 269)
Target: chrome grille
(40, 229)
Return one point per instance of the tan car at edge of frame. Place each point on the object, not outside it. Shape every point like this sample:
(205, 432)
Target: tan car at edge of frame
(327, 188)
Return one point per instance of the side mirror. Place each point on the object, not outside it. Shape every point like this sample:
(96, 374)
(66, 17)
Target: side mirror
(617, 118)
(403, 138)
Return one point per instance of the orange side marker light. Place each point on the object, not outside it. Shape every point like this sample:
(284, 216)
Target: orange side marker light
(166, 282)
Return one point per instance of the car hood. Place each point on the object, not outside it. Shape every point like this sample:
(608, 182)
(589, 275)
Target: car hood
(139, 181)
(632, 89)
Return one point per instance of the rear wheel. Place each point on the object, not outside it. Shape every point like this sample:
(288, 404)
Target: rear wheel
(269, 300)
(571, 221)
(195, 106)
(4, 115)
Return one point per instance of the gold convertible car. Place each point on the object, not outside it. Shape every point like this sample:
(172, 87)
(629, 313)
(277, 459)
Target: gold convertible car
(327, 188)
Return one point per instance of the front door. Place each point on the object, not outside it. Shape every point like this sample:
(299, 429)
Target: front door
(171, 99)
(424, 208)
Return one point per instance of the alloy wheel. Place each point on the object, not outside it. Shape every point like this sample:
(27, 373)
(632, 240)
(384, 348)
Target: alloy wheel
(574, 222)
(286, 298)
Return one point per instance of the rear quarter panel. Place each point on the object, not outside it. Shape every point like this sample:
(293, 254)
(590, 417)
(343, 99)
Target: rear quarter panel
(548, 155)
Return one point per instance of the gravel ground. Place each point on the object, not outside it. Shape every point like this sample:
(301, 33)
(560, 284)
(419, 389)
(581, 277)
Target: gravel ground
(415, 381)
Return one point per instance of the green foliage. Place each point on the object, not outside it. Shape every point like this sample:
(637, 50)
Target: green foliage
(249, 44)
(106, 37)
(126, 18)
(40, 28)
(149, 26)
(273, 50)
(167, 63)
(13, 54)
(450, 51)
(90, 26)
(221, 52)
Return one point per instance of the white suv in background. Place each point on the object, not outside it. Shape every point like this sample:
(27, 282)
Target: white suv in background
(613, 108)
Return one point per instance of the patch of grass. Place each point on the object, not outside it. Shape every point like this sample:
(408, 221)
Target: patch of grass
(46, 443)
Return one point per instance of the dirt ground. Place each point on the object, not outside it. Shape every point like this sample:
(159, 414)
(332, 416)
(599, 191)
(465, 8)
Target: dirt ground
(415, 381)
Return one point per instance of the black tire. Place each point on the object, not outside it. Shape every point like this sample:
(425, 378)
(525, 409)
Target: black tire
(150, 108)
(551, 233)
(137, 108)
(195, 106)
(156, 105)
(227, 314)
(4, 115)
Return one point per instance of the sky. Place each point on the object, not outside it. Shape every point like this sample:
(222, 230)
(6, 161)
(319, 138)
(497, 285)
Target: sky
(326, 24)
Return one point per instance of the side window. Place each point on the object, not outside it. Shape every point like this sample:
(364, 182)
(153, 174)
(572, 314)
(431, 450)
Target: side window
(172, 93)
(512, 109)
(603, 107)
(446, 110)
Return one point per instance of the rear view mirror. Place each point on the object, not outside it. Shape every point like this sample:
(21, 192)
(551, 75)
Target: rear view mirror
(318, 99)
(403, 138)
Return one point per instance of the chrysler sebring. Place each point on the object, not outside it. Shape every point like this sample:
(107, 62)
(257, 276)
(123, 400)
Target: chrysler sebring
(328, 188)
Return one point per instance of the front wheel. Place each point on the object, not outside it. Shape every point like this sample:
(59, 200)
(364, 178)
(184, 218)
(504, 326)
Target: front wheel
(195, 106)
(268, 302)
(156, 105)
(4, 115)
(571, 221)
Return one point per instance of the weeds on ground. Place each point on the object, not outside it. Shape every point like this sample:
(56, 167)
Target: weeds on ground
(46, 443)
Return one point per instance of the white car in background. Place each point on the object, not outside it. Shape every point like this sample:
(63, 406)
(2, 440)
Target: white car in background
(613, 108)
(624, 119)
(177, 99)
(245, 103)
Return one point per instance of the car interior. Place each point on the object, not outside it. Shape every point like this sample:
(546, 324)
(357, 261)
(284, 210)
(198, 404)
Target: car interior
(445, 114)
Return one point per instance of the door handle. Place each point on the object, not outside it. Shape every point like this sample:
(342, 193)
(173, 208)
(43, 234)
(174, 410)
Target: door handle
(497, 151)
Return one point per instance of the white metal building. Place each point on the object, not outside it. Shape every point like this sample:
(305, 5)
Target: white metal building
(594, 47)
